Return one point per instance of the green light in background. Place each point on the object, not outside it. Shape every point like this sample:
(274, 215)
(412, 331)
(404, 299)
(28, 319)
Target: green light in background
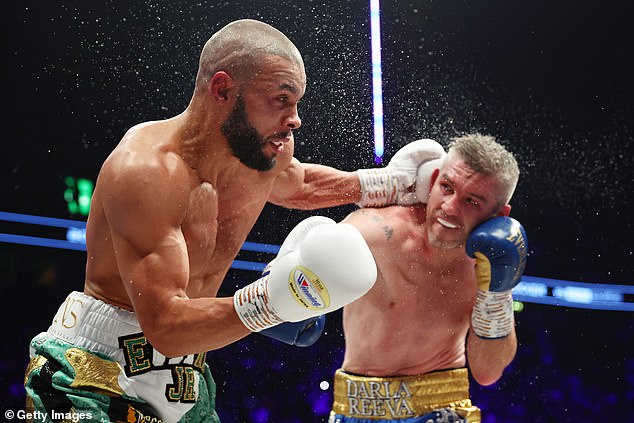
(78, 194)
(518, 306)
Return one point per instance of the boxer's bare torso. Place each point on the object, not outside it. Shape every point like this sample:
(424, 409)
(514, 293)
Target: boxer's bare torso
(176, 199)
(216, 213)
(415, 318)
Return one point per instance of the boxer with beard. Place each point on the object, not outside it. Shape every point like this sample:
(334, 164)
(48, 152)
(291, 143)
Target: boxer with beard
(172, 206)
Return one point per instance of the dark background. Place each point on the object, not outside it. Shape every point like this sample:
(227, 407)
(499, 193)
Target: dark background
(553, 81)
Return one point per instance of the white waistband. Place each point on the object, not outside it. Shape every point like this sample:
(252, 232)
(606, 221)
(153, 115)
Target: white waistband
(87, 322)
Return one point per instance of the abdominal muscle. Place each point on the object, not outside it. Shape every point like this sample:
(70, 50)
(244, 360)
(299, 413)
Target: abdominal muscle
(419, 332)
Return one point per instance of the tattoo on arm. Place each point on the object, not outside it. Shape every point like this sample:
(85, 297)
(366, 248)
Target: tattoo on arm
(388, 232)
(376, 218)
(370, 214)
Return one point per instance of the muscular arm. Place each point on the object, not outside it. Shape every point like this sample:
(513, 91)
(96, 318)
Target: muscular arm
(489, 357)
(311, 186)
(145, 206)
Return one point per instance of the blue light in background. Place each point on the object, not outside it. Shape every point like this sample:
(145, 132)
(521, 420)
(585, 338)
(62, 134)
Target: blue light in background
(260, 415)
(76, 235)
(531, 289)
(377, 89)
(573, 294)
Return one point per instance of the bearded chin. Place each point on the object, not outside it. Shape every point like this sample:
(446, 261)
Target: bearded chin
(244, 140)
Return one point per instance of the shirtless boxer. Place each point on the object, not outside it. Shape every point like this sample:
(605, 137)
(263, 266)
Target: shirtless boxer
(405, 358)
(173, 204)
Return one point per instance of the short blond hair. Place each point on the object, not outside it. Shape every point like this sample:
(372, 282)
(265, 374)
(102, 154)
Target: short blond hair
(486, 156)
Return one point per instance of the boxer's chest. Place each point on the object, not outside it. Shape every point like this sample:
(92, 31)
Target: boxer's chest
(216, 226)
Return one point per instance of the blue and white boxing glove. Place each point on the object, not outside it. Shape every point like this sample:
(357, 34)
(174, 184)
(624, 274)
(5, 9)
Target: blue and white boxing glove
(300, 334)
(406, 178)
(499, 246)
(321, 266)
(306, 332)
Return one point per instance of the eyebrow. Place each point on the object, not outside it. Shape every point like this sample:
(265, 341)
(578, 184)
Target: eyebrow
(471, 194)
(479, 197)
(289, 87)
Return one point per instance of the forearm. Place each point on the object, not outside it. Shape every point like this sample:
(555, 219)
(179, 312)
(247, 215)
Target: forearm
(320, 187)
(312, 186)
(184, 326)
(488, 358)
(499, 247)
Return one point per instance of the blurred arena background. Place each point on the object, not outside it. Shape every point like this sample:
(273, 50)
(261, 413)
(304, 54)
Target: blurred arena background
(552, 80)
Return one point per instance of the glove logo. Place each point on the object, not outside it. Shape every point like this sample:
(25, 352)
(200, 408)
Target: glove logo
(307, 289)
(518, 241)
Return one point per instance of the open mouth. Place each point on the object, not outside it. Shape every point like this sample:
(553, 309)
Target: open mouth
(277, 141)
(446, 224)
(277, 147)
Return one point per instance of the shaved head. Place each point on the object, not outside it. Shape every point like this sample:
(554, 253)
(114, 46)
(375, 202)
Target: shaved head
(240, 47)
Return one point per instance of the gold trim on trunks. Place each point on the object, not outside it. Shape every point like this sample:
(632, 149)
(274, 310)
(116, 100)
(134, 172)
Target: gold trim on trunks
(34, 363)
(399, 397)
(93, 372)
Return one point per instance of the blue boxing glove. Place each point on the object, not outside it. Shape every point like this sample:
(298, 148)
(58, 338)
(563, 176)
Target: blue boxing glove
(499, 247)
(300, 334)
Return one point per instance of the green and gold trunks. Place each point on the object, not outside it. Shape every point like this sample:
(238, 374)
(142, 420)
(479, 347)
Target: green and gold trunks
(95, 365)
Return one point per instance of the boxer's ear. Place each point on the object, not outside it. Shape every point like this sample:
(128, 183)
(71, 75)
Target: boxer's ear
(505, 210)
(220, 84)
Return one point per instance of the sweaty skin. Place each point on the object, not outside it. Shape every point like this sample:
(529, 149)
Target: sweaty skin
(417, 315)
(415, 318)
(172, 207)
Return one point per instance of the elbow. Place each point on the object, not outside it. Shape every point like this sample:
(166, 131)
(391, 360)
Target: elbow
(164, 347)
(489, 358)
(160, 336)
(485, 378)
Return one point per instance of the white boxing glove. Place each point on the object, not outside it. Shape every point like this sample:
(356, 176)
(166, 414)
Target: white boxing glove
(297, 235)
(395, 183)
(324, 267)
(423, 178)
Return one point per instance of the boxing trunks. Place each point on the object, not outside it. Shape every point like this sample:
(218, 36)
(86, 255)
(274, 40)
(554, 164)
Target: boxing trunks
(436, 397)
(95, 365)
